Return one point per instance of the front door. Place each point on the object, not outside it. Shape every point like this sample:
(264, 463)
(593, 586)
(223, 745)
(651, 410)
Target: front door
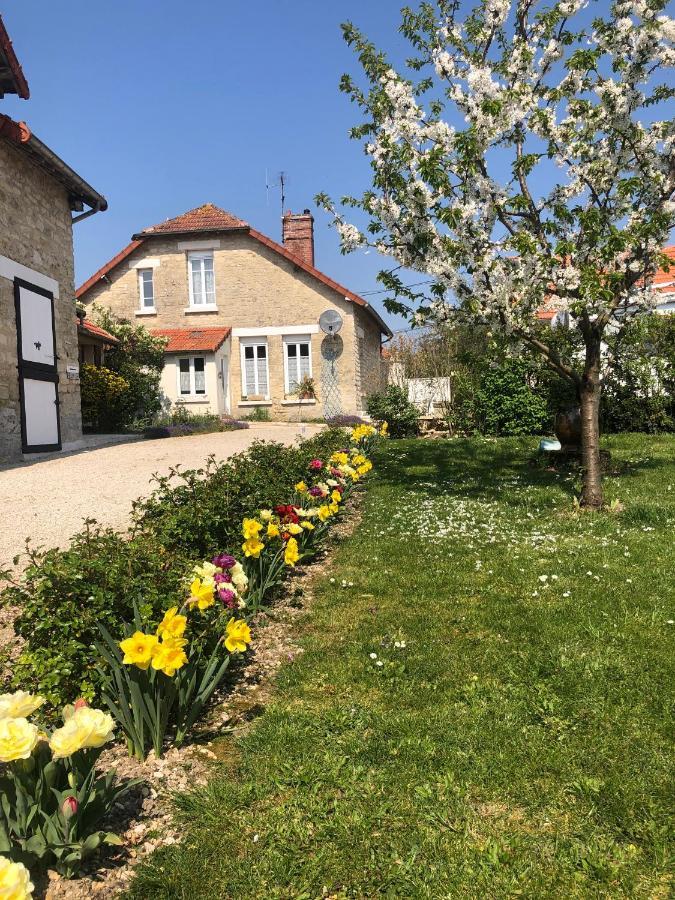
(38, 378)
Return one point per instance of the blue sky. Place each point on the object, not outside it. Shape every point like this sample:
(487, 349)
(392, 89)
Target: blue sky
(163, 106)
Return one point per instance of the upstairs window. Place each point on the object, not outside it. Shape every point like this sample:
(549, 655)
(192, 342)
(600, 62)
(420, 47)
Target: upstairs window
(201, 278)
(146, 288)
(254, 372)
(297, 362)
(191, 376)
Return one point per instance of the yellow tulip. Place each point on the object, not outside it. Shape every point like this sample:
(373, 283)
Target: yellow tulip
(138, 649)
(307, 525)
(265, 514)
(336, 497)
(18, 738)
(333, 507)
(273, 530)
(301, 487)
(324, 512)
(293, 528)
(86, 728)
(237, 635)
(19, 704)
(15, 883)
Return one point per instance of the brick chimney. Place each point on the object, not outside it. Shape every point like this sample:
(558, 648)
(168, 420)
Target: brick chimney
(297, 231)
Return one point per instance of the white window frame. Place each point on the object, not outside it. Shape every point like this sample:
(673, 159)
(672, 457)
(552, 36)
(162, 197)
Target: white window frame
(256, 342)
(193, 394)
(201, 255)
(143, 307)
(295, 339)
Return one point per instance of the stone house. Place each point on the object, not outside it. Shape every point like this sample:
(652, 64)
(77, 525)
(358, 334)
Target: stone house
(241, 314)
(39, 385)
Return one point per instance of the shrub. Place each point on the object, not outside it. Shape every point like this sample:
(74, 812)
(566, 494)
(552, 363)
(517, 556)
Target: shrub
(392, 406)
(104, 396)
(259, 414)
(199, 510)
(64, 595)
(139, 359)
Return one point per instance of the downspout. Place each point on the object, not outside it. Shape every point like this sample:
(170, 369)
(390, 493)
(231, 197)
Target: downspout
(99, 206)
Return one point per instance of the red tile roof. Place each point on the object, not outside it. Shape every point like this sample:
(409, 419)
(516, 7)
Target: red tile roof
(94, 331)
(195, 220)
(203, 218)
(13, 81)
(182, 340)
(664, 282)
(108, 267)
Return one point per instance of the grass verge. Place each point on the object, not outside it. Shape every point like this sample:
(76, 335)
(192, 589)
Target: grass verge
(481, 711)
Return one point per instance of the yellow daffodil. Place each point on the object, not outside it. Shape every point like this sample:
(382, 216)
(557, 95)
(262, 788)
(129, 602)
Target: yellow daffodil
(384, 429)
(201, 593)
(301, 487)
(339, 458)
(358, 459)
(252, 547)
(307, 525)
(324, 513)
(237, 635)
(365, 468)
(18, 738)
(273, 530)
(19, 704)
(172, 625)
(169, 656)
(291, 553)
(15, 883)
(336, 497)
(293, 528)
(138, 649)
(251, 528)
(333, 507)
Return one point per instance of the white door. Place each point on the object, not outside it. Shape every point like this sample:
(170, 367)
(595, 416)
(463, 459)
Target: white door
(38, 378)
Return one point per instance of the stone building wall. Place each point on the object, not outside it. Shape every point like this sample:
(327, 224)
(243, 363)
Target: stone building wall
(36, 232)
(255, 289)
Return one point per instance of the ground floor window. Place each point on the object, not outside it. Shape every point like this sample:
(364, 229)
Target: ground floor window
(191, 376)
(254, 369)
(297, 361)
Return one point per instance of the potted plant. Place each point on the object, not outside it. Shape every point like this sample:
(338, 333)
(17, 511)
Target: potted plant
(306, 389)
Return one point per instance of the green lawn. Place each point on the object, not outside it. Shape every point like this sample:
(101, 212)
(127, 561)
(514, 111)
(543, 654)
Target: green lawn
(516, 745)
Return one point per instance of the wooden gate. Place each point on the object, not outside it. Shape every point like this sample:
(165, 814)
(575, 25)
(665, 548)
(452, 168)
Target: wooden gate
(37, 361)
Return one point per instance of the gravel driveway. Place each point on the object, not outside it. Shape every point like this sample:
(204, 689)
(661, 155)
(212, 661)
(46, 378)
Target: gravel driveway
(47, 500)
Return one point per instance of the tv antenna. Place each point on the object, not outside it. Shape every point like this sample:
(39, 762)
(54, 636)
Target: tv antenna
(279, 182)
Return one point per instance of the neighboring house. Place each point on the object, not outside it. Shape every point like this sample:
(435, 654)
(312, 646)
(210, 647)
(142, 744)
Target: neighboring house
(241, 316)
(39, 385)
(663, 284)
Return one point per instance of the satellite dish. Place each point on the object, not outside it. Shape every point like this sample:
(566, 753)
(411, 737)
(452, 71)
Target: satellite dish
(330, 321)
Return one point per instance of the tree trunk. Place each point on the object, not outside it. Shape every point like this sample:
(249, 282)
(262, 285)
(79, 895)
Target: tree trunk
(589, 396)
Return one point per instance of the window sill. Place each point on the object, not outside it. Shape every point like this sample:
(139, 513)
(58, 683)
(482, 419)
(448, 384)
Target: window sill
(191, 310)
(299, 402)
(185, 398)
(146, 312)
(254, 403)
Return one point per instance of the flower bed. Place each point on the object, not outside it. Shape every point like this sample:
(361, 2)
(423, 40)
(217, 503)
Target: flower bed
(158, 668)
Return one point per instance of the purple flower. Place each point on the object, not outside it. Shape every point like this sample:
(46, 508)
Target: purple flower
(315, 491)
(224, 561)
(229, 598)
(221, 577)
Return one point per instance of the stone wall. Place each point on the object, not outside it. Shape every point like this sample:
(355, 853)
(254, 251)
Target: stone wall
(35, 231)
(255, 289)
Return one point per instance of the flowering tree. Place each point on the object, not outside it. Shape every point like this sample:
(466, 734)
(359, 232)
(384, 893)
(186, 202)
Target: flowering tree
(524, 164)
